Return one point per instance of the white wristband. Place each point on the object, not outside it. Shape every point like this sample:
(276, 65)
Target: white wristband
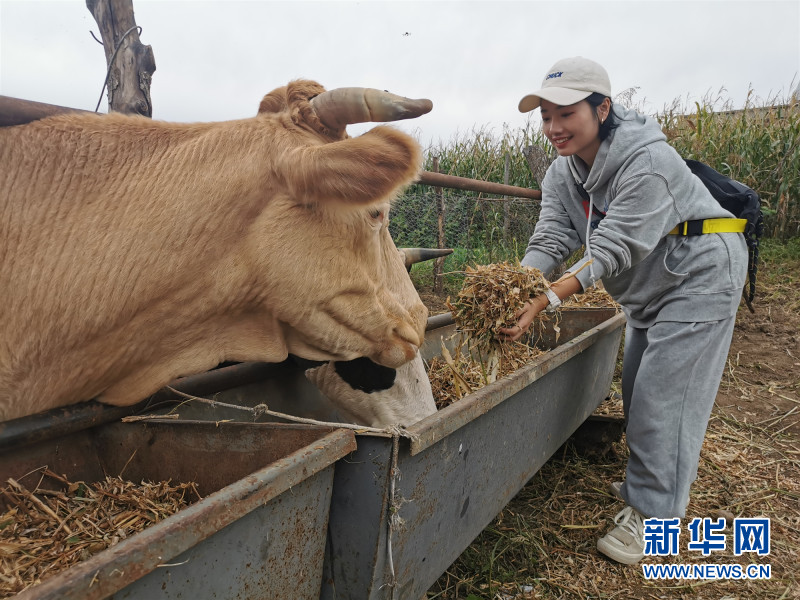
(555, 301)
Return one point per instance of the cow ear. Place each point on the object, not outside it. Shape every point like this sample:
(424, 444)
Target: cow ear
(274, 102)
(361, 170)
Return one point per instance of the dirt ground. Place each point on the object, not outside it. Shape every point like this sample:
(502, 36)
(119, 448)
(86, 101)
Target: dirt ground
(750, 467)
(763, 379)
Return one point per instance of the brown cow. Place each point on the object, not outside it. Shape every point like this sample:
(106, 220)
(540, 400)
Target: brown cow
(135, 251)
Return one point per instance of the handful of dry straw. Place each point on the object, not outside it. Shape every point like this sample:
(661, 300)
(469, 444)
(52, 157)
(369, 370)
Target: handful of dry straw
(44, 531)
(489, 300)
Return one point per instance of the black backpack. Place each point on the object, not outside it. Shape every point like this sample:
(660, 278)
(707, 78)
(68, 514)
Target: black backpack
(733, 196)
(744, 203)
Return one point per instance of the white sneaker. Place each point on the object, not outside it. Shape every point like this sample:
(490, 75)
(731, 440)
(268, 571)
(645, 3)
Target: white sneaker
(615, 489)
(625, 543)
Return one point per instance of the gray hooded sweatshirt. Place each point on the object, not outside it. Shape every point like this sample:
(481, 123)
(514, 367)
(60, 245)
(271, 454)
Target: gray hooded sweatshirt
(645, 189)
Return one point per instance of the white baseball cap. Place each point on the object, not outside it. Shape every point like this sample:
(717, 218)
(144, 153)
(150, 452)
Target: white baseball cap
(568, 81)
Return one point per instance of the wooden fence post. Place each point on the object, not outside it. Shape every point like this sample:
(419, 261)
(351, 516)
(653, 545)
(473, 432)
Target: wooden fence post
(438, 278)
(131, 64)
(506, 203)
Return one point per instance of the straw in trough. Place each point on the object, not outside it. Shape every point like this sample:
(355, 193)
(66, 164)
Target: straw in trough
(489, 299)
(45, 531)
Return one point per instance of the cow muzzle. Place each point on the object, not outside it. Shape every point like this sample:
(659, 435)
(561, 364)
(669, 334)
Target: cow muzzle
(403, 345)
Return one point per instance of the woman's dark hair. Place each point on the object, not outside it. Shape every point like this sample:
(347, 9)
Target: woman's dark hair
(611, 123)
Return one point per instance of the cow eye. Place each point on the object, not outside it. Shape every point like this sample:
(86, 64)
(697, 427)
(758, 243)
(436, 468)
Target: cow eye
(379, 215)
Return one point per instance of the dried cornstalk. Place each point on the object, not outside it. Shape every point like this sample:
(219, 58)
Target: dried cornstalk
(595, 297)
(453, 377)
(45, 531)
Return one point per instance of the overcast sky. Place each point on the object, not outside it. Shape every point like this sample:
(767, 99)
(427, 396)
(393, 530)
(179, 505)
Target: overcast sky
(474, 59)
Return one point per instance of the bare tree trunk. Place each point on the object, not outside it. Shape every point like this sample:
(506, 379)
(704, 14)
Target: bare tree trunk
(131, 63)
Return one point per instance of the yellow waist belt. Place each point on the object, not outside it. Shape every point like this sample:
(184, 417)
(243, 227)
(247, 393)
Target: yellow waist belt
(702, 226)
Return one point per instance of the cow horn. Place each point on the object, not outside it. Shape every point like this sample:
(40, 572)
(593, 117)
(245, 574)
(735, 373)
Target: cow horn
(346, 106)
(412, 256)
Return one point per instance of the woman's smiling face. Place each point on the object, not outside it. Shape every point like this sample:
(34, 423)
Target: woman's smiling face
(574, 129)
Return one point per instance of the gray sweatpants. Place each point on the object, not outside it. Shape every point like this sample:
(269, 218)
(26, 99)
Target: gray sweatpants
(670, 377)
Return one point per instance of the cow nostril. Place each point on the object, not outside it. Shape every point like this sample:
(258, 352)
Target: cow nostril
(407, 333)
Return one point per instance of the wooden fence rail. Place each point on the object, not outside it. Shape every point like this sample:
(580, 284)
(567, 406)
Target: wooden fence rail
(476, 185)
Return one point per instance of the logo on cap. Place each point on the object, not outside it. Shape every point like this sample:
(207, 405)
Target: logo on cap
(554, 75)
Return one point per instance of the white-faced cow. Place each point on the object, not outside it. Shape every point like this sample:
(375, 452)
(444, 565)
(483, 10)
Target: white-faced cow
(135, 251)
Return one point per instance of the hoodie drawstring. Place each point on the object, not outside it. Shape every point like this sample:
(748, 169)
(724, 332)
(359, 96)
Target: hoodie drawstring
(578, 181)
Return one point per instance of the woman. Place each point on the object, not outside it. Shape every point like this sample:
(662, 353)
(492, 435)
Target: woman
(679, 293)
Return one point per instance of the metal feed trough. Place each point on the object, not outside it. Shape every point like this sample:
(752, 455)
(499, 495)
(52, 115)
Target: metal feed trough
(461, 466)
(259, 530)
(455, 471)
